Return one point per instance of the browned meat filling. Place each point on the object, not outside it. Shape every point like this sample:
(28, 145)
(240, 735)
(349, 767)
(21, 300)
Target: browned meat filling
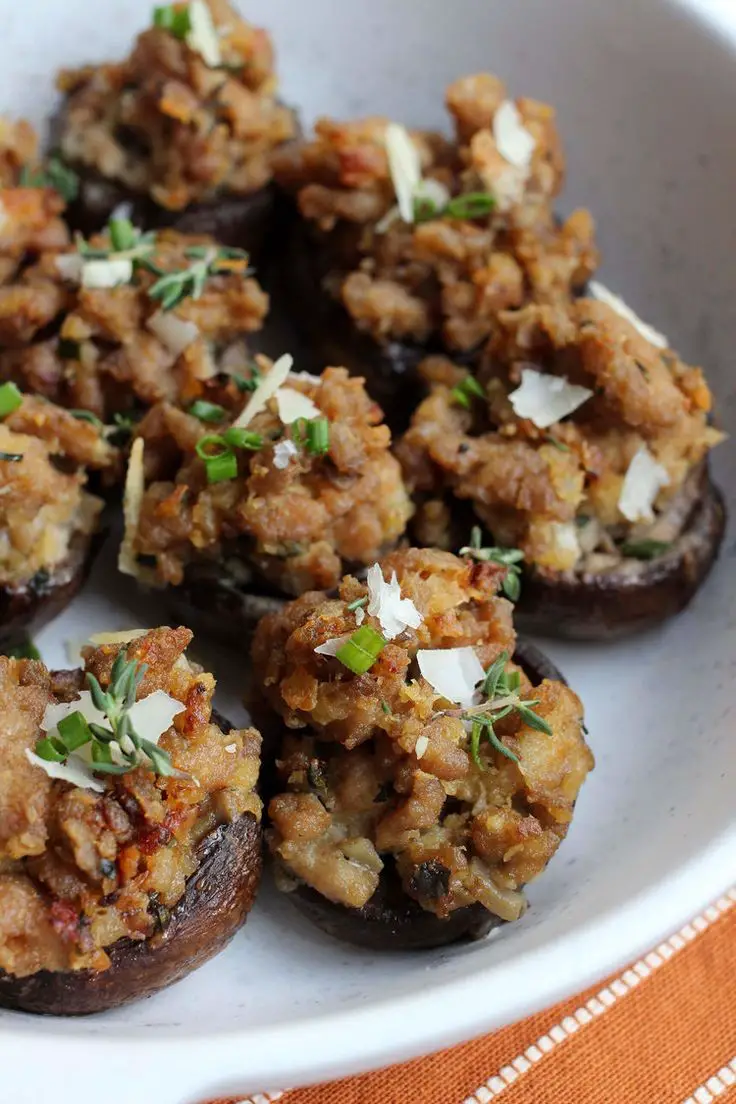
(558, 492)
(81, 869)
(44, 507)
(377, 770)
(291, 515)
(442, 279)
(102, 348)
(174, 122)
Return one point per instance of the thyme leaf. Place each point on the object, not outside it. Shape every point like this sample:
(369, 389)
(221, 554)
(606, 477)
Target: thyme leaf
(509, 557)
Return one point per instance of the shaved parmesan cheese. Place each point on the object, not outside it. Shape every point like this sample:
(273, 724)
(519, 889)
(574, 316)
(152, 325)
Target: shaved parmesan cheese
(306, 376)
(175, 333)
(566, 541)
(385, 602)
(359, 616)
(603, 295)
(513, 141)
(132, 498)
(421, 746)
(283, 453)
(110, 273)
(453, 673)
(544, 399)
(70, 266)
(74, 771)
(405, 167)
(292, 405)
(332, 646)
(203, 37)
(643, 481)
(266, 389)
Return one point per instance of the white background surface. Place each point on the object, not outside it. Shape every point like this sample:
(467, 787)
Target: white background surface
(645, 94)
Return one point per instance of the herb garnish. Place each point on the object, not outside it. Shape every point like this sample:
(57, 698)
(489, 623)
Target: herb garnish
(118, 736)
(361, 651)
(127, 243)
(312, 434)
(645, 549)
(207, 411)
(24, 649)
(501, 689)
(559, 445)
(172, 287)
(357, 603)
(509, 557)
(10, 399)
(249, 384)
(471, 205)
(11, 457)
(173, 19)
(465, 390)
(217, 451)
(87, 416)
(55, 175)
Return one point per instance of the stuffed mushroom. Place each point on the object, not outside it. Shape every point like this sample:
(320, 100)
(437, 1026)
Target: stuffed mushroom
(408, 244)
(129, 824)
(429, 764)
(114, 325)
(49, 522)
(249, 499)
(181, 130)
(582, 448)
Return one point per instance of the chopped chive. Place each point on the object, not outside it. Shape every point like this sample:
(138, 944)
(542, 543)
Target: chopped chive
(45, 749)
(361, 651)
(210, 441)
(352, 606)
(645, 549)
(244, 384)
(171, 18)
(87, 416)
(467, 389)
(207, 411)
(221, 468)
(318, 436)
(242, 438)
(74, 731)
(10, 399)
(123, 234)
(57, 175)
(472, 205)
(385, 706)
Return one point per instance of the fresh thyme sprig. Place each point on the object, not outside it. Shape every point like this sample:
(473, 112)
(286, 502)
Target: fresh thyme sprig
(509, 557)
(471, 205)
(189, 282)
(127, 243)
(501, 690)
(116, 748)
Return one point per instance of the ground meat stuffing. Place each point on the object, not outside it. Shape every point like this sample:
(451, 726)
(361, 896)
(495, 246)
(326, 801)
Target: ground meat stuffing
(442, 280)
(292, 516)
(555, 492)
(166, 123)
(80, 869)
(101, 349)
(44, 508)
(377, 771)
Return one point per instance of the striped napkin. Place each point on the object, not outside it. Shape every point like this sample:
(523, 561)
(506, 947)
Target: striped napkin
(661, 1032)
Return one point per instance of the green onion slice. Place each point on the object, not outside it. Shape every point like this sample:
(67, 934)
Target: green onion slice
(211, 446)
(49, 751)
(221, 468)
(10, 399)
(361, 651)
(122, 234)
(171, 18)
(207, 411)
(74, 731)
(472, 205)
(242, 438)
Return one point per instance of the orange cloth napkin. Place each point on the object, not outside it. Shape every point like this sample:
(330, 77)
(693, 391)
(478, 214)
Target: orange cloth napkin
(661, 1032)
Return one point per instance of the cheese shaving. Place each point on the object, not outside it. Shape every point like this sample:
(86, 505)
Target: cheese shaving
(231, 748)
(132, 499)
(283, 453)
(74, 771)
(70, 266)
(603, 295)
(434, 191)
(453, 673)
(421, 746)
(306, 376)
(266, 389)
(110, 273)
(332, 646)
(359, 616)
(513, 141)
(203, 37)
(405, 167)
(544, 399)
(292, 405)
(175, 333)
(394, 613)
(643, 481)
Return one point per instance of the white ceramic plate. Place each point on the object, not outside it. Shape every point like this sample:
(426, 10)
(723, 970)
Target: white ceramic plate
(645, 94)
